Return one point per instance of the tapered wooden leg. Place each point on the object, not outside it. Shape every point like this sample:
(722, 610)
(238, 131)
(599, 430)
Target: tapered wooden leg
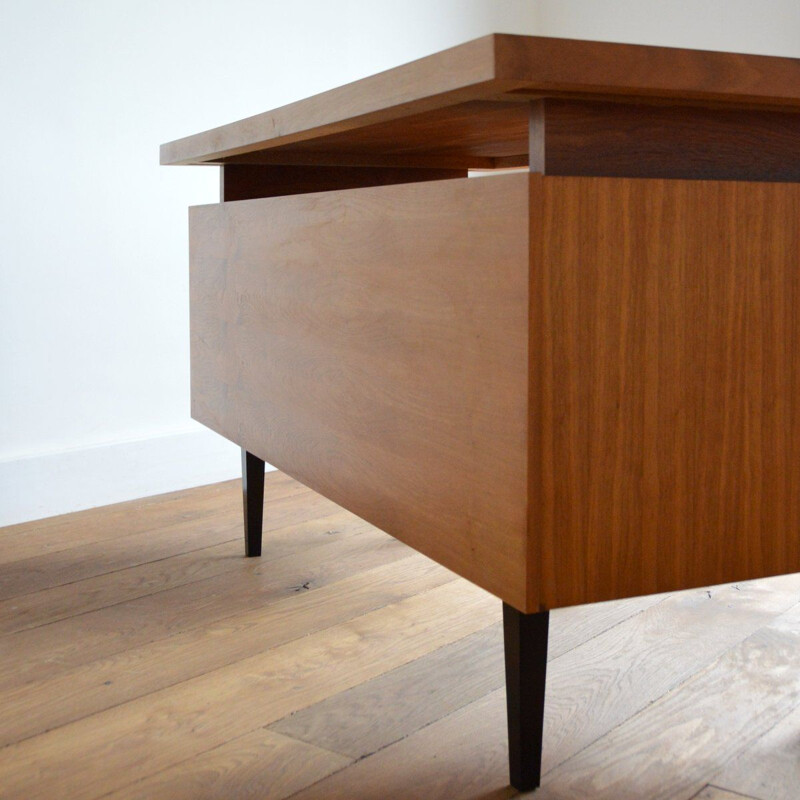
(253, 496)
(526, 666)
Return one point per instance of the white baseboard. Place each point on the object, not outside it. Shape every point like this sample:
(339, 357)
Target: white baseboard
(57, 483)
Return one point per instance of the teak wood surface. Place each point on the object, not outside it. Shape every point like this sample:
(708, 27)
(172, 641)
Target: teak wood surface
(665, 384)
(565, 389)
(373, 344)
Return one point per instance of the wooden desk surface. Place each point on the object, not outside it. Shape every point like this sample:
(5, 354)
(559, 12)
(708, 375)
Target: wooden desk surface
(468, 106)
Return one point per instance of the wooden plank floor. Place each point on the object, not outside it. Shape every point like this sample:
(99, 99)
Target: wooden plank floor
(142, 656)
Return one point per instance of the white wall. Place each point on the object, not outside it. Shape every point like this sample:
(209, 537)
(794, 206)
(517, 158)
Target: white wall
(93, 261)
(770, 27)
(94, 376)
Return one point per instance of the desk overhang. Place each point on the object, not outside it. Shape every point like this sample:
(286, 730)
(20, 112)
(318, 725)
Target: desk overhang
(469, 106)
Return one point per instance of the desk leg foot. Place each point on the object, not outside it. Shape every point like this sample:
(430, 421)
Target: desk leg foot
(526, 666)
(253, 496)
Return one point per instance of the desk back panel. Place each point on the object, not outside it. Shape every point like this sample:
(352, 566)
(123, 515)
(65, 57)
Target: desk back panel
(372, 343)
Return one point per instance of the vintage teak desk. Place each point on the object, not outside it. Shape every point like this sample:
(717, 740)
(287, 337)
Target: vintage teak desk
(573, 383)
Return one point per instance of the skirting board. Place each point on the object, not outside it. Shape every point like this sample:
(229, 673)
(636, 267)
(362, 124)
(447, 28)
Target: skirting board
(57, 483)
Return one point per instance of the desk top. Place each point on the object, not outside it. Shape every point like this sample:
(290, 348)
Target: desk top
(468, 106)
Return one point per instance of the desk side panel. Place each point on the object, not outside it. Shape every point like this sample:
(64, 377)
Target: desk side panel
(372, 343)
(665, 384)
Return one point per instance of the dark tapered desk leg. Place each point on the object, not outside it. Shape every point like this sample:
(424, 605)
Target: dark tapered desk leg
(526, 667)
(253, 496)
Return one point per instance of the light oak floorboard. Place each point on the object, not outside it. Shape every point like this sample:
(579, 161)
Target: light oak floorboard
(668, 750)
(106, 682)
(159, 730)
(52, 569)
(374, 714)
(46, 651)
(255, 766)
(477, 731)
(461, 756)
(770, 768)
(161, 574)
(600, 684)
(576, 625)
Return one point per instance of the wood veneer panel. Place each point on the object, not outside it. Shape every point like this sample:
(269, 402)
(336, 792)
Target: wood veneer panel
(373, 344)
(637, 140)
(498, 68)
(665, 418)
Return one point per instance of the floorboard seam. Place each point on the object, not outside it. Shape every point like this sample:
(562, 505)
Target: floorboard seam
(169, 589)
(234, 523)
(729, 791)
(114, 572)
(603, 632)
(356, 759)
(211, 750)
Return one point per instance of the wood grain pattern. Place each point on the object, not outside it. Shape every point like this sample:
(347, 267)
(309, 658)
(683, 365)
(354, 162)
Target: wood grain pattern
(606, 681)
(346, 158)
(200, 561)
(459, 757)
(720, 712)
(78, 561)
(501, 67)
(471, 134)
(459, 73)
(134, 670)
(183, 721)
(360, 721)
(373, 343)
(368, 717)
(664, 141)
(578, 67)
(41, 652)
(258, 765)
(664, 394)
(770, 768)
(695, 723)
